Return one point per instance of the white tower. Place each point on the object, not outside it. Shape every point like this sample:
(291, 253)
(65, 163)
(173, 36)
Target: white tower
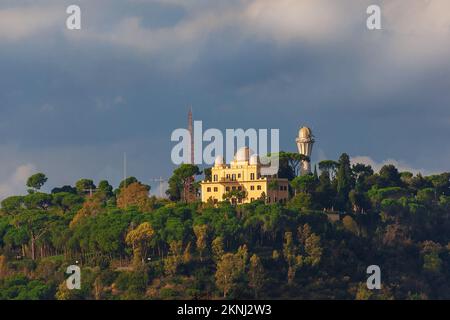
(305, 141)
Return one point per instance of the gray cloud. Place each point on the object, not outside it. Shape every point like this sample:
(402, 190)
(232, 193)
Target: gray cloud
(73, 101)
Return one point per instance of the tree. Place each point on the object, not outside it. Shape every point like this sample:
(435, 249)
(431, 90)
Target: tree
(313, 250)
(308, 252)
(426, 195)
(37, 200)
(359, 201)
(135, 194)
(12, 204)
(201, 232)
(324, 191)
(217, 248)
(329, 166)
(309, 245)
(84, 186)
(36, 223)
(174, 259)
(241, 258)
(301, 201)
(66, 188)
(66, 201)
(290, 255)
(285, 171)
(441, 184)
(235, 196)
(36, 181)
(293, 160)
(389, 177)
(350, 225)
(304, 184)
(256, 275)
(344, 180)
(140, 238)
(92, 206)
(430, 252)
(361, 172)
(180, 180)
(106, 188)
(228, 271)
(127, 182)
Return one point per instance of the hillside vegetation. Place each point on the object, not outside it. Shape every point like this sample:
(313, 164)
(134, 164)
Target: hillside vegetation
(316, 246)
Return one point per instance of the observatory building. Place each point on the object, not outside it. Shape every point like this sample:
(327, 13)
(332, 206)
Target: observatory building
(305, 141)
(243, 174)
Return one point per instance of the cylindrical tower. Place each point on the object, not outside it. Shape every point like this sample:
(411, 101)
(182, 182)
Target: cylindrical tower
(305, 141)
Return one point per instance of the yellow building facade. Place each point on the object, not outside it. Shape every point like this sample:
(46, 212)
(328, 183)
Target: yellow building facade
(243, 174)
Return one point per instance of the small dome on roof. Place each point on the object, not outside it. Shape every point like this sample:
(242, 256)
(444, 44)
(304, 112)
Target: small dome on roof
(218, 161)
(304, 132)
(243, 154)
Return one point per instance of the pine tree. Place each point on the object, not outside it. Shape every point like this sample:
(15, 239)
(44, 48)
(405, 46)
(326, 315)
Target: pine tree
(139, 239)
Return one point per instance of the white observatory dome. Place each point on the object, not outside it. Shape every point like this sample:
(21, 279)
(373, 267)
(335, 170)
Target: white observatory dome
(218, 161)
(243, 154)
(304, 133)
(254, 160)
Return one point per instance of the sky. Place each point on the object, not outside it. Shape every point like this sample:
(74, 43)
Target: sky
(72, 102)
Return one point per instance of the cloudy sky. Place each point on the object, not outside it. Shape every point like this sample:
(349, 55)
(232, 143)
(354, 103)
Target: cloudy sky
(72, 102)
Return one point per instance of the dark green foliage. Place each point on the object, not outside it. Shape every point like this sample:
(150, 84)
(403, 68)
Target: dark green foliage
(68, 189)
(36, 181)
(178, 181)
(22, 288)
(84, 186)
(338, 223)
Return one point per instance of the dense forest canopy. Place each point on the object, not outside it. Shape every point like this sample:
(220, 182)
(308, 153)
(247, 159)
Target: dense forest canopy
(339, 220)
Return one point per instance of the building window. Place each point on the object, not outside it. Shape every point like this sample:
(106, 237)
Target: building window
(252, 176)
(208, 189)
(252, 199)
(258, 187)
(239, 188)
(233, 188)
(216, 177)
(227, 188)
(268, 200)
(252, 187)
(239, 175)
(216, 189)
